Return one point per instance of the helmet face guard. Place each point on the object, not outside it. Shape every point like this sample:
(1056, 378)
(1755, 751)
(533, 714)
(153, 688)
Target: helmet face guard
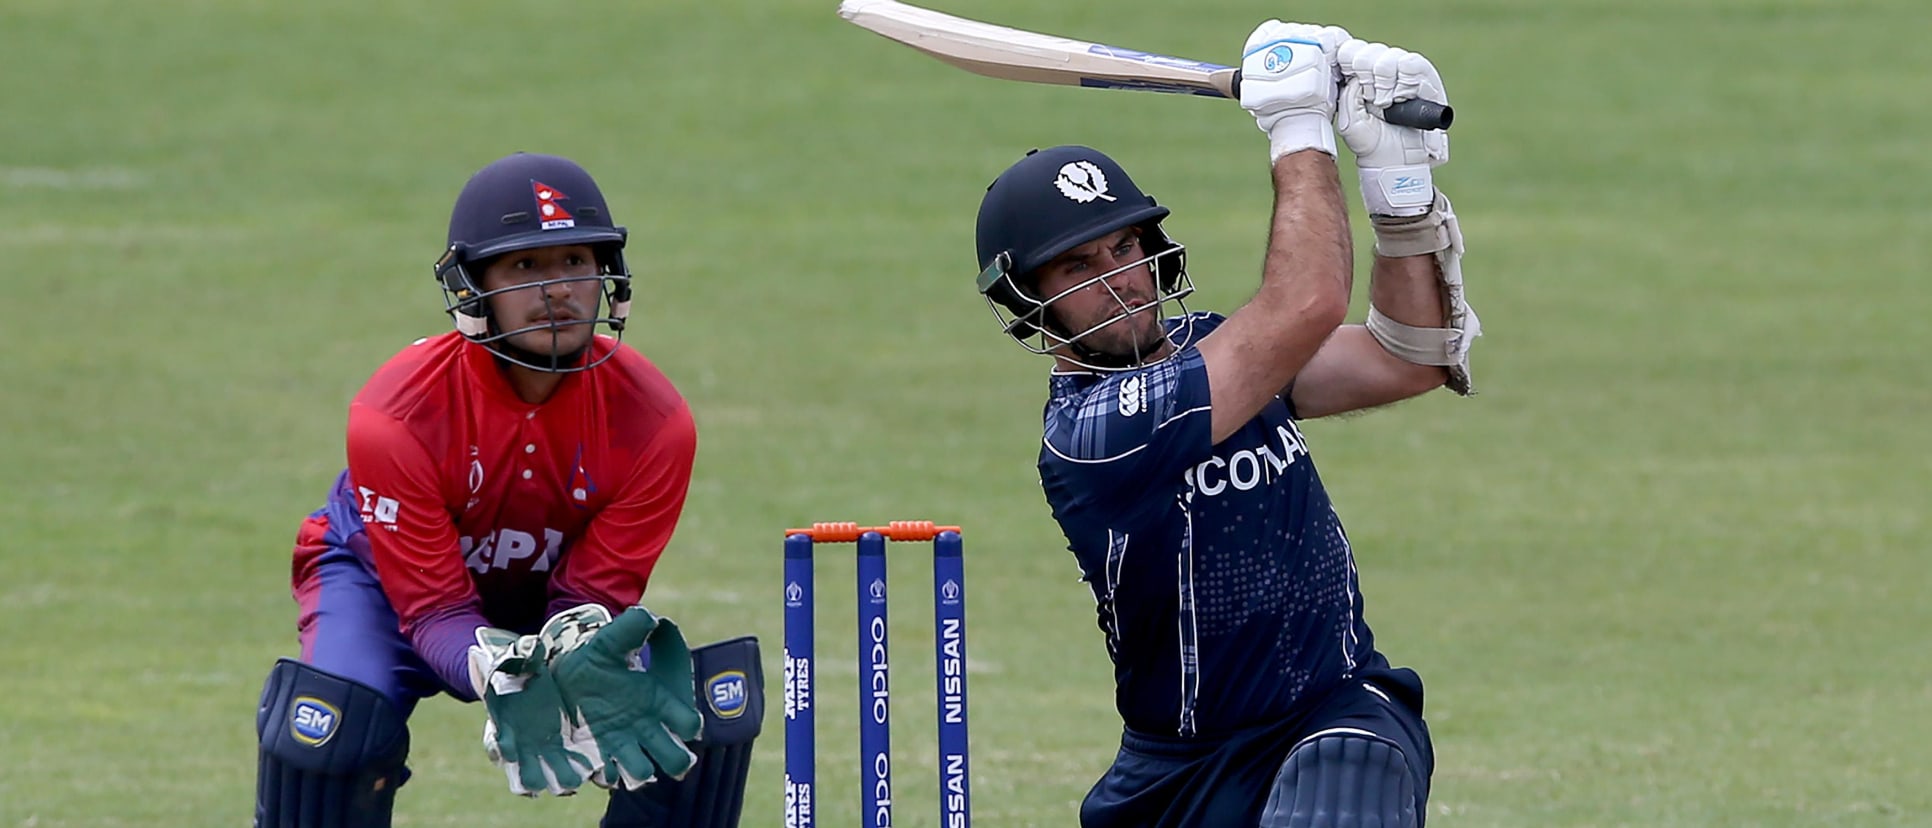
(523, 202)
(1026, 316)
(467, 304)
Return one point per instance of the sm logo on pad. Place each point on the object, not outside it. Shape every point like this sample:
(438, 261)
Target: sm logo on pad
(729, 693)
(313, 721)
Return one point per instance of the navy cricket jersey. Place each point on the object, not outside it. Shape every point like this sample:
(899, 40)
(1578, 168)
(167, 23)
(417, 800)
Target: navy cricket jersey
(1223, 579)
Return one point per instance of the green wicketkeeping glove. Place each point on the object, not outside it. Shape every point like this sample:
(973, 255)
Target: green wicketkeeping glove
(640, 718)
(529, 733)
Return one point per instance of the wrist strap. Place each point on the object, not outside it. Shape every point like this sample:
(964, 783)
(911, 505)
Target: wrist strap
(1400, 236)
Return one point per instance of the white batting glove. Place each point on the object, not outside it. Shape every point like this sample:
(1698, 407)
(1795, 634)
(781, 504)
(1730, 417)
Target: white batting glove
(1395, 162)
(1289, 83)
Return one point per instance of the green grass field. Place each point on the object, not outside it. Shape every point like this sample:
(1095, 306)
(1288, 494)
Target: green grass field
(1667, 569)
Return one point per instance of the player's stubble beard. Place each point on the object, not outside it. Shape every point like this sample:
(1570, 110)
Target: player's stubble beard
(1133, 339)
(1135, 336)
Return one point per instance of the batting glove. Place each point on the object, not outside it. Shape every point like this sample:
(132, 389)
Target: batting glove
(1395, 162)
(1289, 83)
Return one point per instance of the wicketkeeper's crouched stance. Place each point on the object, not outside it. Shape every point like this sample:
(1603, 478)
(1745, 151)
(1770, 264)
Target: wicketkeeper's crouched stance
(492, 537)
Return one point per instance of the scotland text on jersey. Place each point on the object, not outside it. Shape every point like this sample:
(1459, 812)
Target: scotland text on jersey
(1248, 467)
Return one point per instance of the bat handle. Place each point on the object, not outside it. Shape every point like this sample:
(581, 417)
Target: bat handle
(1414, 112)
(1421, 114)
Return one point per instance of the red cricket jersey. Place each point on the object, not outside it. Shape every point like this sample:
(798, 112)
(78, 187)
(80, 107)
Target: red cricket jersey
(481, 508)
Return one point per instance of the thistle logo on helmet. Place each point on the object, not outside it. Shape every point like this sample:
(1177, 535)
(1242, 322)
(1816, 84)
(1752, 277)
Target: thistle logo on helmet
(549, 212)
(1082, 181)
(728, 692)
(312, 721)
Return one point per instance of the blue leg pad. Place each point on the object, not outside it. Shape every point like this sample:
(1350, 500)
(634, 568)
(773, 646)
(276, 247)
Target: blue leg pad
(332, 751)
(731, 695)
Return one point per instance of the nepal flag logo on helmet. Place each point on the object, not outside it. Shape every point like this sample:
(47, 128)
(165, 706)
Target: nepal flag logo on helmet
(549, 212)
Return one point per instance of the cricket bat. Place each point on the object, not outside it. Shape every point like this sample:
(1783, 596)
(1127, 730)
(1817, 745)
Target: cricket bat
(1016, 54)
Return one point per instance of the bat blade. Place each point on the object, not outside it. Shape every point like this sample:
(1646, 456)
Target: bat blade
(1016, 54)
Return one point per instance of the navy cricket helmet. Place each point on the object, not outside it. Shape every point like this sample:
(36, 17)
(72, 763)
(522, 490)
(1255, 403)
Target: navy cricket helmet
(1052, 201)
(519, 202)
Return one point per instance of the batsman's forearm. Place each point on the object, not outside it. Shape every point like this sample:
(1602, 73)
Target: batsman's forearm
(1408, 290)
(1303, 296)
(1310, 264)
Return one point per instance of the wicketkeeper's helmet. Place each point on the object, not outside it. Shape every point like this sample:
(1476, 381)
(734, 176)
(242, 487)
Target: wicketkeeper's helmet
(520, 202)
(1052, 201)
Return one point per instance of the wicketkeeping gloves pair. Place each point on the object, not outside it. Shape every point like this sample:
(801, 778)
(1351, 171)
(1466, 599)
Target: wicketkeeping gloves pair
(587, 697)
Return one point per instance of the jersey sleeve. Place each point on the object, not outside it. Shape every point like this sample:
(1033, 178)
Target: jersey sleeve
(613, 560)
(1115, 452)
(412, 539)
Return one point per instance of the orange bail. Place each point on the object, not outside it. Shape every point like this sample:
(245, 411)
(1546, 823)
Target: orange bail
(898, 530)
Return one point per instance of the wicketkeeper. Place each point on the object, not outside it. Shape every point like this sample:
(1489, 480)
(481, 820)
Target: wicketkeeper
(510, 486)
(1248, 680)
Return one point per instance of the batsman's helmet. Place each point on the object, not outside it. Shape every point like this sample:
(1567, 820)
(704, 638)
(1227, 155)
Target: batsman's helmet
(1047, 203)
(519, 202)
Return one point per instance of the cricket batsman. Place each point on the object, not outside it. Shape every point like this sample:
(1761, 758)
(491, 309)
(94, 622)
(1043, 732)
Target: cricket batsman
(510, 486)
(1247, 678)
